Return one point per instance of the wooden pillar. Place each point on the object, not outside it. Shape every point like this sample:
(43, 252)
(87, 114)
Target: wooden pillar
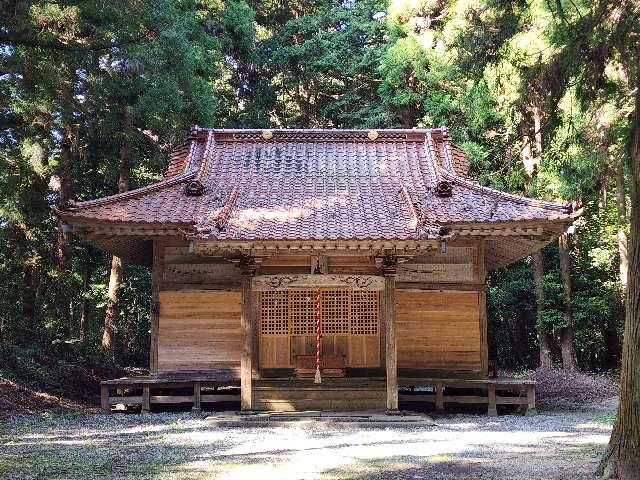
(156, 275)
(197, 390)
(492, 411)
(391, 350)
(104, 398)
(484, 341)
(146, 398)
(531, 400)
(247, 323)
(481, 278)
(439, 397)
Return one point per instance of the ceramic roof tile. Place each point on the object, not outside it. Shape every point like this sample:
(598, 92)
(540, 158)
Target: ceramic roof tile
(314, 185)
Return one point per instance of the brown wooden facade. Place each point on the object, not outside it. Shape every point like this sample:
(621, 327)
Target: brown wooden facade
(418, 315)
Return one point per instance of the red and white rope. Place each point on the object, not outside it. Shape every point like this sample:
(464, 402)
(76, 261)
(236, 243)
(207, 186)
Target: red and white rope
(318, 378)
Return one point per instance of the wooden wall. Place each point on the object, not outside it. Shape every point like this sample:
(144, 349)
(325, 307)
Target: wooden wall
(198, 326)
(198, 330)
(439, 330)
(461, 263)
(441, 323)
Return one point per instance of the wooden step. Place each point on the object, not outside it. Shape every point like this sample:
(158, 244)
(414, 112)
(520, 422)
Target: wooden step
(333, 394)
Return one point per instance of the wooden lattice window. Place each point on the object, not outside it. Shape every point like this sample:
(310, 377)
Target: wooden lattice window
(302, 312)
(344, 311)
(335, 311)
(275, 313)
(365, 308)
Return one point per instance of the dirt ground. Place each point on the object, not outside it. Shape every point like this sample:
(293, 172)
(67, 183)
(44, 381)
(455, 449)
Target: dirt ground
(45, 436)
(163, 446)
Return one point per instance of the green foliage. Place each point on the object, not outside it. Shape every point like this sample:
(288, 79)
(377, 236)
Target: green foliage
(72, 72)
(84, 80)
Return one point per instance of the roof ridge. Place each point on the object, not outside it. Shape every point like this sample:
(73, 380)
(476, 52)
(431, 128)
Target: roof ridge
(534, 202)
(294, 135)
(203, 169)
(323, 130)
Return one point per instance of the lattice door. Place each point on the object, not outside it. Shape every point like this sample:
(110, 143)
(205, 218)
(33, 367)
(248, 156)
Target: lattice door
(349, 323)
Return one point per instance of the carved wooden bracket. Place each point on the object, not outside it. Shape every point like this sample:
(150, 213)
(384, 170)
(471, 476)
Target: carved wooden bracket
(264, 283)
(389, 265)
(248, 265)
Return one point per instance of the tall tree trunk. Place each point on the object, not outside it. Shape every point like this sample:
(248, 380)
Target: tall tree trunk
(537, 129)
(29, 321)
(520, 344)
(115, 277)
(531, 165)
(61, 182)
(543, 334)
(84, 308)
(622, 220)
(622, 459)
(566, 333)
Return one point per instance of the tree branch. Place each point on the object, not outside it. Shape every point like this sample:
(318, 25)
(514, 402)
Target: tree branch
(28, 39)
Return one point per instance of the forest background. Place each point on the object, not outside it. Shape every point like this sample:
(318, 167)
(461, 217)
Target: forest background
(95, 94)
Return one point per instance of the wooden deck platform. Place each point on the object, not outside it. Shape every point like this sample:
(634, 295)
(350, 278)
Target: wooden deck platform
(203, 387)
(296, 394)
(515, 391)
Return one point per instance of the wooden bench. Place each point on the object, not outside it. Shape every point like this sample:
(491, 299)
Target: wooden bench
(332, 366)
(148, 390)
(523, 392)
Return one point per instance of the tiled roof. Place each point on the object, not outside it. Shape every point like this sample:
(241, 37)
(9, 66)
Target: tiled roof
(316, 185)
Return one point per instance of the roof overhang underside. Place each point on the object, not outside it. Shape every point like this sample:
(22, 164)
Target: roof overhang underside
(503, 245)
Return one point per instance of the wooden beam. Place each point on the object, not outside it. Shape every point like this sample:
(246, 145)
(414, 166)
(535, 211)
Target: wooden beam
(266, 283)
(247, 323)
(391, 348)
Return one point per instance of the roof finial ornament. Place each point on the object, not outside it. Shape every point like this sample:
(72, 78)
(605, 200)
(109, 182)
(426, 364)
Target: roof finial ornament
(194, 188)
(373, 134)
(444, 189)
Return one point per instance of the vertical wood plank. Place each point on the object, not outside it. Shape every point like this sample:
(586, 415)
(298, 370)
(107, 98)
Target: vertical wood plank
(146, 399)
(156, 276)
(391, 353)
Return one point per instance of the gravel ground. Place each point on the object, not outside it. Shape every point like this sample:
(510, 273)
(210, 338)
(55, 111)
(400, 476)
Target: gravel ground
(551, 445)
